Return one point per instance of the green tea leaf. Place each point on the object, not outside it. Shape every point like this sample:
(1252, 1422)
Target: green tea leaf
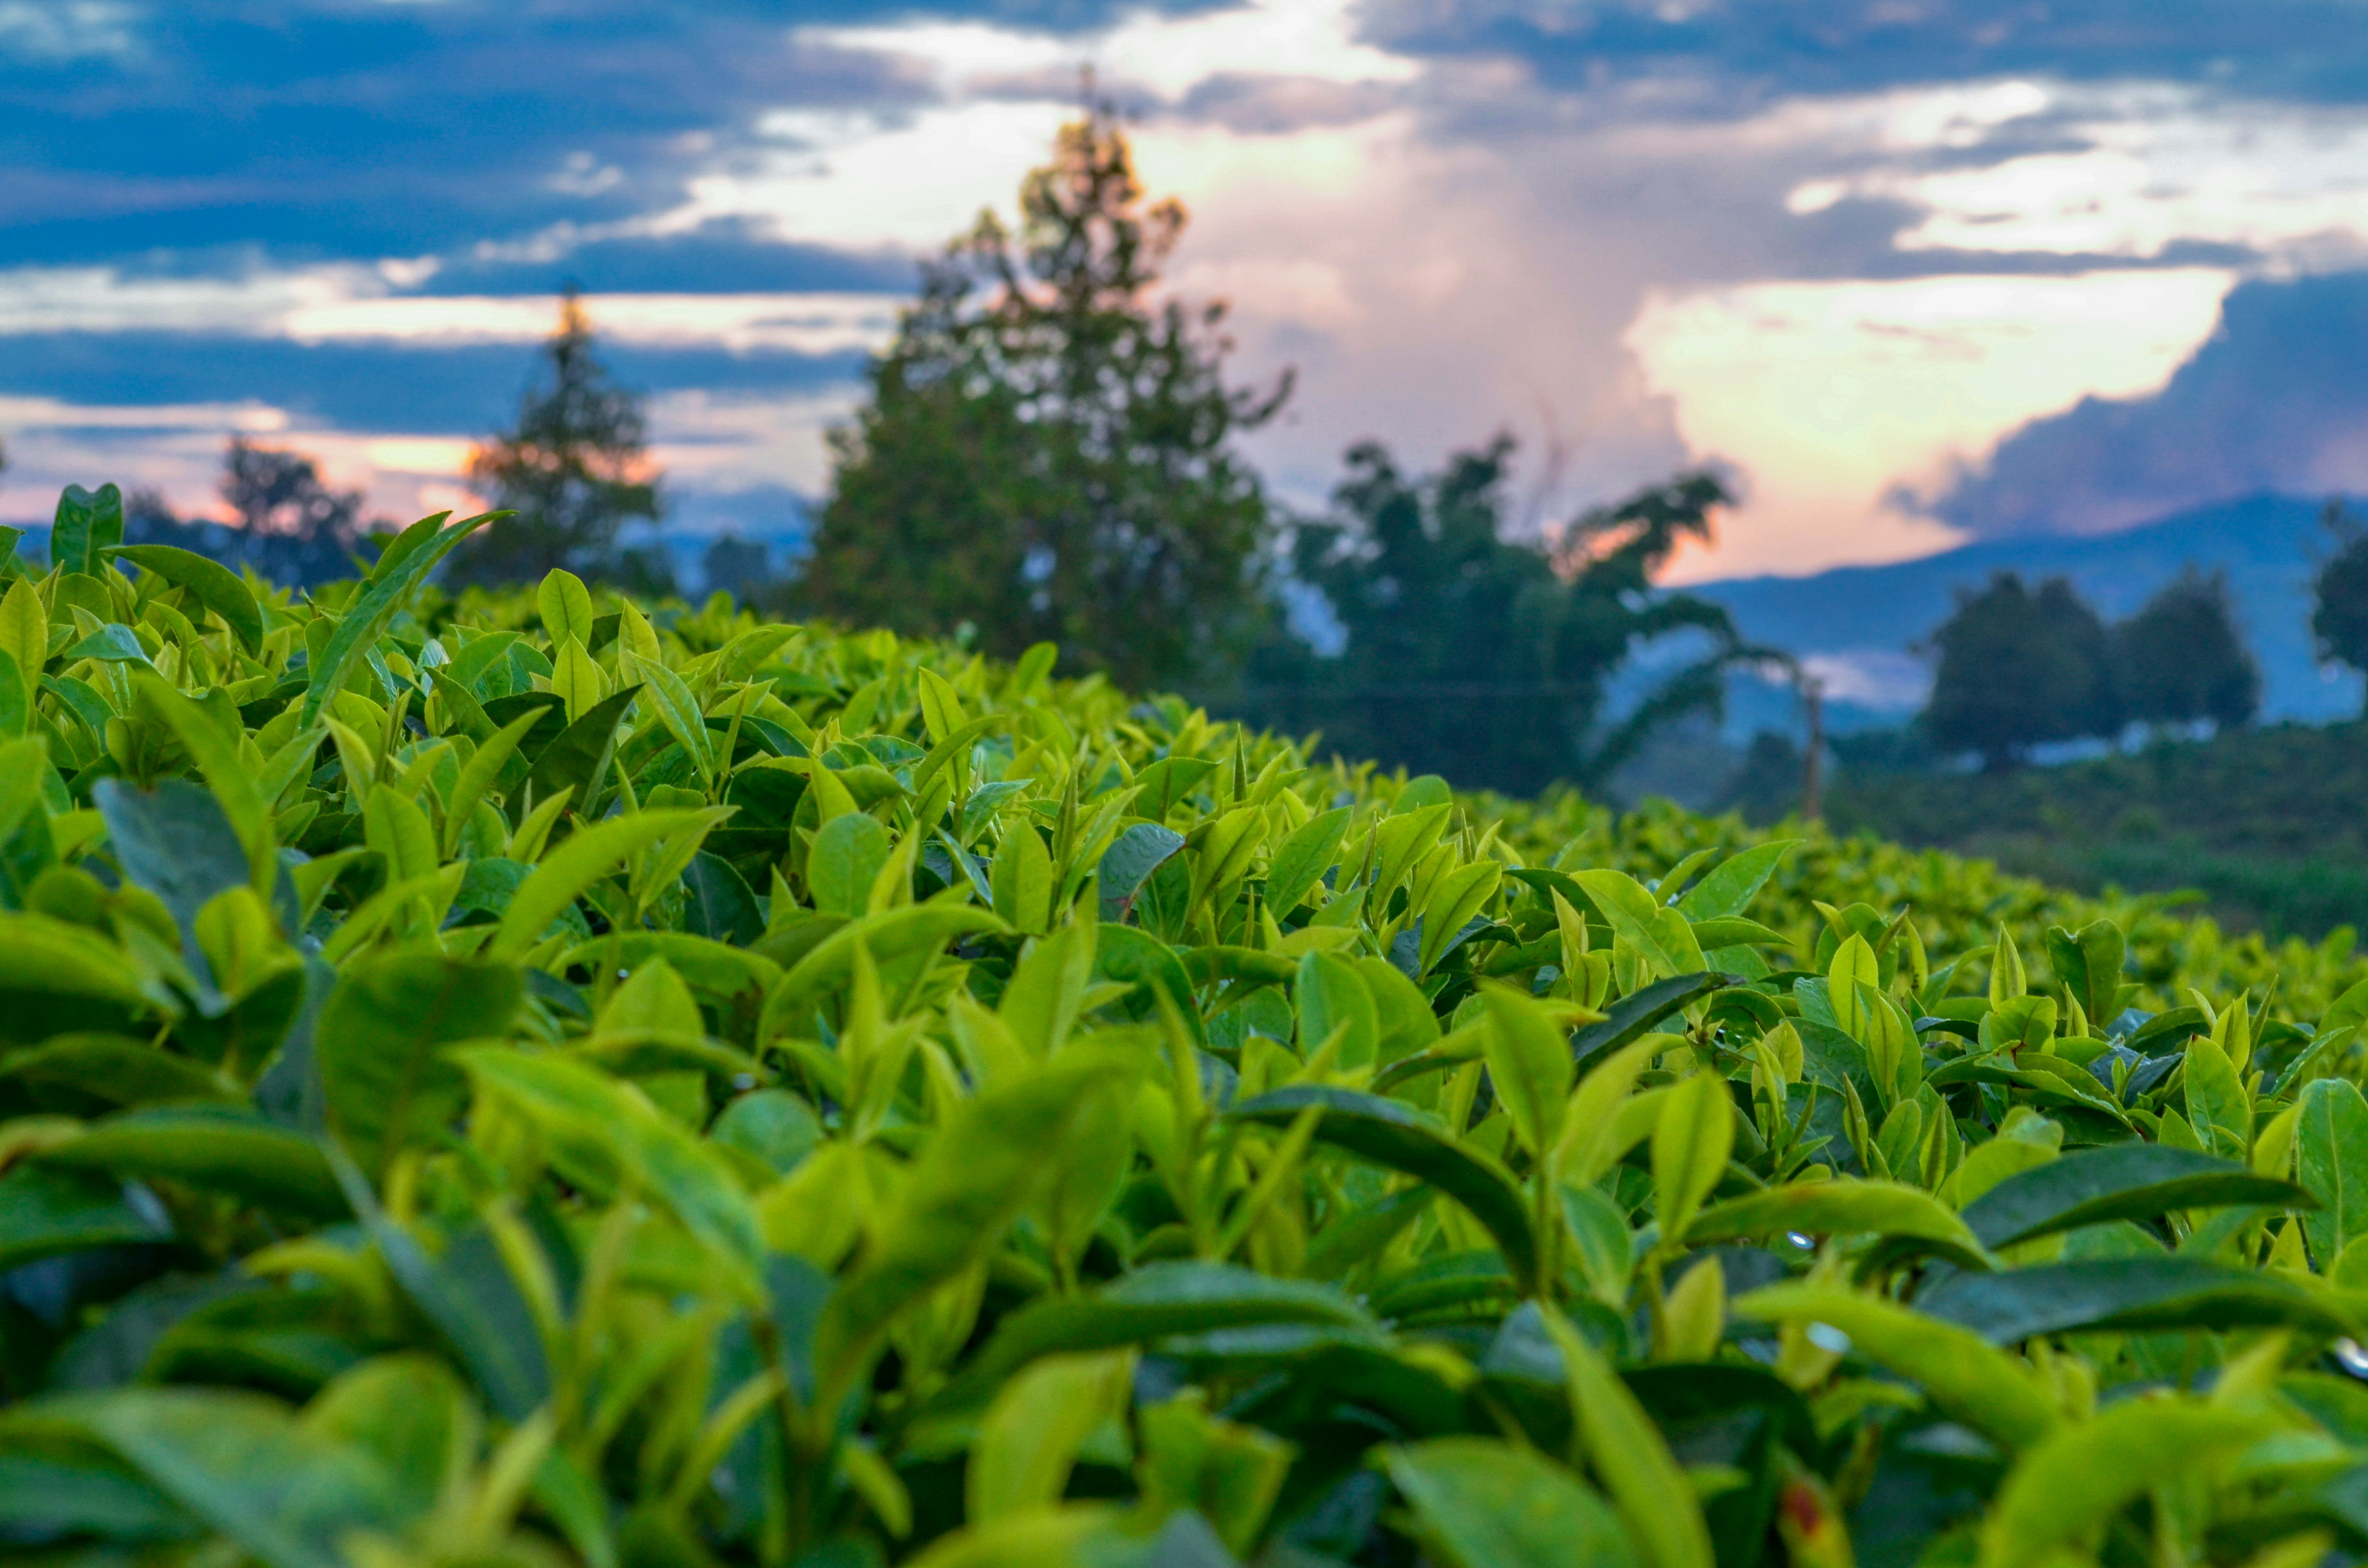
(1529, 1065)
(238, 1460)
(2134, 1181)
(1691, 1142)
(1839, 1207)
(565, 605)
(45, 1211)
(607, 1138)
(2072, 1483)
(983, 1166)
(846, 859)
(1985, 1388)
(216, 586)
(220, 1149)
(1154, 1301)
(2331, 1159)
(1403, 1139)
(1728, 889)
(1628, 1452)
(1332, 1000)
(1481, 1502)
(1132, 856)
(1639, 1012)
(595, 852)
(2126, 1293)
(366, 619)
(387, 1080)
(1028, 1439)
(1301, 861)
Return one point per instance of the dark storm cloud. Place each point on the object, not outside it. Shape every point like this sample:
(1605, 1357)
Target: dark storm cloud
(389, 389)
(2273, 401)
(359, 128)
(1733, 56)
(723, 257)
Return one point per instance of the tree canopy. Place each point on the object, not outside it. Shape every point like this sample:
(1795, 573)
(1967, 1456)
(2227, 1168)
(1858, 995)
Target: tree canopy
(574, 470)
(2181, 659)
(293, 526)
(1047, 452)
(1487, 659)
(2020, 667)
(2338, 618)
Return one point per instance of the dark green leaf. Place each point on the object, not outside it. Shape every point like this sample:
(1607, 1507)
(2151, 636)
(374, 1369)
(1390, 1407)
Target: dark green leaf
(87, 524)
(110, 644)
(1132, 856)
(219, 1149)
(775, 1126)
(2134, 1181)
(422, 545)
(1636, 1015)
(86, 1074)
(45, 1211)
(2331, 1158)
(173, 841)
(45, 1498)
(580, 755)
(1153, 1302)
(242, 1463)
(1405, 1139)
(217, 588)
(2125, 1293)
(1301, 859)
(1484, 1503)
(1730, 889)
(385, 1079)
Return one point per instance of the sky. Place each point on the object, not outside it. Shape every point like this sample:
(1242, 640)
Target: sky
(1909, 271)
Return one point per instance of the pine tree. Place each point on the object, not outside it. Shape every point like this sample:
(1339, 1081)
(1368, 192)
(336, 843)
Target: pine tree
(1046, 453)
(574, 470)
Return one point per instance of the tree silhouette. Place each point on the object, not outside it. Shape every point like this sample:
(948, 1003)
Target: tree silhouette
(2181, 659)
(2018, 668)
(2340, 618)
(574, 470)
(1047, 452)
(1482, 658)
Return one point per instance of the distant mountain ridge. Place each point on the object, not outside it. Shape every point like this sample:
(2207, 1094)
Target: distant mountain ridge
(1859, 624)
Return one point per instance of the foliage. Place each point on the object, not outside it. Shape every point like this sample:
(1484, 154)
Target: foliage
(2264, 822)
(1480, 657)
(573, 471)
(2181, 660)
(539, 1080)
(2339, 617)
(1047, 451)
(2019, 668)
(291, 527)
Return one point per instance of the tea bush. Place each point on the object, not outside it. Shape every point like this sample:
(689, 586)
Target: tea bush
(542, 1080)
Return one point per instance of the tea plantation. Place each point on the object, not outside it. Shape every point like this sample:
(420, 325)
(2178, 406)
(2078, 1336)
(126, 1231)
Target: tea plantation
(549, 1080)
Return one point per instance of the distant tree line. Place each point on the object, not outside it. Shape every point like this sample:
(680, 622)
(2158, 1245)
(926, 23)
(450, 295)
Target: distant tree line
(1048, 454)
(1049, 451)
(2019, 666)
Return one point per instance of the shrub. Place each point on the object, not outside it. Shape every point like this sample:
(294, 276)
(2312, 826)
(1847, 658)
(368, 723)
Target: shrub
(547, 1080)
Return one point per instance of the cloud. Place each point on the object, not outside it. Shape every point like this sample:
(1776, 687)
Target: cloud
(1724, 58)
(1595, 221)
(2273, 401)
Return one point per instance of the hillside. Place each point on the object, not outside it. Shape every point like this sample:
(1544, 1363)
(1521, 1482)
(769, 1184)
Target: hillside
(1861, 621)
(540, 1081)
(2268, 825)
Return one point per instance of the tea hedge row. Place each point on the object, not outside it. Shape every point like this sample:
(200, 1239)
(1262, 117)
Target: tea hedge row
(548, 1081)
